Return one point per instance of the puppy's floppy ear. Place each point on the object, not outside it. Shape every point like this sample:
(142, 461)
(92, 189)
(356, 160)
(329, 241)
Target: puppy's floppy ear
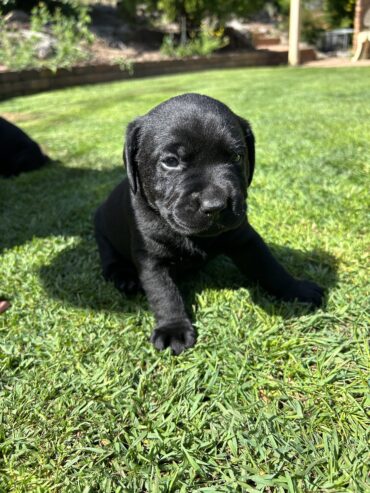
(129, 153)
(249, 139)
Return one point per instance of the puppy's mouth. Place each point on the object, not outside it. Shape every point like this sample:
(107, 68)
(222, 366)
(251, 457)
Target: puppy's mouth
(207, 226)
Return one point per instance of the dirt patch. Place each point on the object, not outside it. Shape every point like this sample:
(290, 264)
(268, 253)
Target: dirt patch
(102, 53)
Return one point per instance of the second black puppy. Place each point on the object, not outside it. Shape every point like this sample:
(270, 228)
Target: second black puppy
(189, 162)
(18, 152)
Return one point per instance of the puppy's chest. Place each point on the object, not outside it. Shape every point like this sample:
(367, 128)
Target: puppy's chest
(182, 251)
(187, 257)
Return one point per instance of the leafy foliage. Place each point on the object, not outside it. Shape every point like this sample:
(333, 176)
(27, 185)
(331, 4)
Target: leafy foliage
(340, 13)
(127, 8)
(71, 37)
(313, 24)
(203, 44)
(195, 11)
(324, 14)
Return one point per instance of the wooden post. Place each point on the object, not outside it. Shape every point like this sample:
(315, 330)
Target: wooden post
(294, 28)
(358, 21)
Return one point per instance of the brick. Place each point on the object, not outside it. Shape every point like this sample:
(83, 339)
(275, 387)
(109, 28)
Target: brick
(10, 89)
(9, 76)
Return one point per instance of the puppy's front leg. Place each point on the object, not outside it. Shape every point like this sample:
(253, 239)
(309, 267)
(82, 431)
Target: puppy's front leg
(173, 328)
(253, 257)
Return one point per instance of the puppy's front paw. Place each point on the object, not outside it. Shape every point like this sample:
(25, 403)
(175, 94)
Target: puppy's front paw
(176, 335)
(306, 292)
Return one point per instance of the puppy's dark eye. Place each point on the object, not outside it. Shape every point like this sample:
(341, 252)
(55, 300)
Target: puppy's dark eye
(236, 157)
(170, 162)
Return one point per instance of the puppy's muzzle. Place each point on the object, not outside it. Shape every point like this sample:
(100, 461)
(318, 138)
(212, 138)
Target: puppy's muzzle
(213, 206)
(208, 211)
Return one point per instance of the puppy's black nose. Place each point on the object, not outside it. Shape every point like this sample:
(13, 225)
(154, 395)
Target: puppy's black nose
(213, 206)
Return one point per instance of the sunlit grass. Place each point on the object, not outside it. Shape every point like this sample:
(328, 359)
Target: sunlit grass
(272, 397)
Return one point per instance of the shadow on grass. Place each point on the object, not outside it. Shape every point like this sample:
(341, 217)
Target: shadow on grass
(52, 201)
(58, 201)
(74, 276)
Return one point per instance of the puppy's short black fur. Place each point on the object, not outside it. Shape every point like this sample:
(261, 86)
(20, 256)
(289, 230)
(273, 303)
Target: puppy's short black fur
(189, 162)
(18, 152)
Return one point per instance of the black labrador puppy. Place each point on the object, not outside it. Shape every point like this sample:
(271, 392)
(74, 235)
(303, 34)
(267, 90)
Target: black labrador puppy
(189, 162)
(18, 152)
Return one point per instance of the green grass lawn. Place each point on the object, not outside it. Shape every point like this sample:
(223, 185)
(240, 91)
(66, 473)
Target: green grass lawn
(273, 396)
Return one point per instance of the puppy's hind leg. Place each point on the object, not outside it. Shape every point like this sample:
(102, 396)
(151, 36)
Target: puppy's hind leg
(116, 268)
(253, 257)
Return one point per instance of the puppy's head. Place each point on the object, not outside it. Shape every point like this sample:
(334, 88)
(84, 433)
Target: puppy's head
(192, 159)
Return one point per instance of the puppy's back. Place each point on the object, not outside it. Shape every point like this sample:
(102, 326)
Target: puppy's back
(18, 151)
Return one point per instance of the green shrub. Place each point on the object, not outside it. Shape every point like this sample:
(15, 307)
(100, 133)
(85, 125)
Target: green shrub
(195, 11)
(127, 9)
(71, 34)
(340, 13)
(205, 43)
(15, 52)
(313, 25)
(320, 16)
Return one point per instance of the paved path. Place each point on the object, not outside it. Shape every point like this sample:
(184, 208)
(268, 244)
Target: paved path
(337, 62)
(330, 61)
